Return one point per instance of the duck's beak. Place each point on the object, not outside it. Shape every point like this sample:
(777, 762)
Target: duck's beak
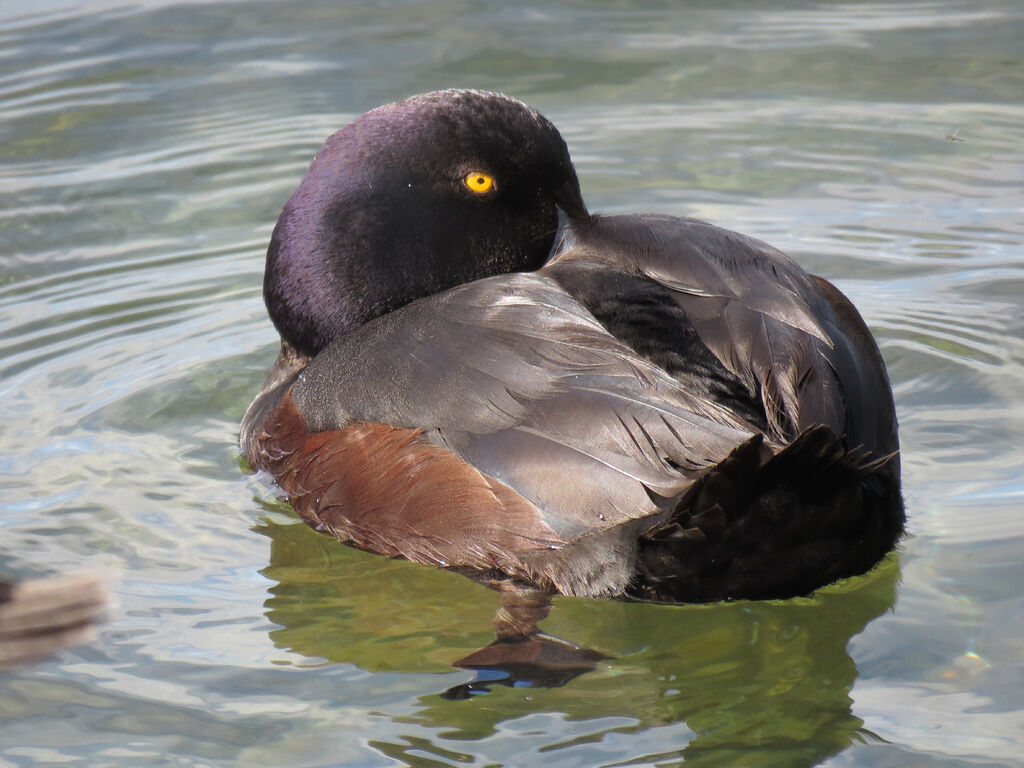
(565, 236)
(569, 200)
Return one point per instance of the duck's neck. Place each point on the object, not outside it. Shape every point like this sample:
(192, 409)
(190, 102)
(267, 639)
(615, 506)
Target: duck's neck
(288, 366)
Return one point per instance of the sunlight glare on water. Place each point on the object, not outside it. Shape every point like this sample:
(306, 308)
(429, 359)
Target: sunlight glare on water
(146, 149)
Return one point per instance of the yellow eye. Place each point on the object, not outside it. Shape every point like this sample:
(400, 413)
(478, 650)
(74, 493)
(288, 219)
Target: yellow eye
(479, 182)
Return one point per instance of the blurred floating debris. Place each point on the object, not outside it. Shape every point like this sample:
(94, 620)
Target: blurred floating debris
(42, 616)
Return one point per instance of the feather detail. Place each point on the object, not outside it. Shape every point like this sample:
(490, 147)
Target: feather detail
(387, 490)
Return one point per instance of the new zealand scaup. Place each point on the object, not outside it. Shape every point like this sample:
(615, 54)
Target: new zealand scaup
(477, 373)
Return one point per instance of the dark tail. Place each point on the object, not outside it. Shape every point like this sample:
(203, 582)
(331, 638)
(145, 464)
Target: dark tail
(759, 529)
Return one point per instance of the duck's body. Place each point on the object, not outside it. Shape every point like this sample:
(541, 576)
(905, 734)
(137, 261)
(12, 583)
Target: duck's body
(659, 408)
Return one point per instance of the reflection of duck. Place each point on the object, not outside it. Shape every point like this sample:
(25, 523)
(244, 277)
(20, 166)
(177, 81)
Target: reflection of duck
(639, 405)
(41, 616)
(755, 682)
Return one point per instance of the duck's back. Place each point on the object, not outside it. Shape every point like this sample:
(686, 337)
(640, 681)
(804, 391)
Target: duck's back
(666, 409)
(742, 324)
(736, 319)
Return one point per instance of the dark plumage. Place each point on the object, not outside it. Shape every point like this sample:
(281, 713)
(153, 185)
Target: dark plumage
(477, 373)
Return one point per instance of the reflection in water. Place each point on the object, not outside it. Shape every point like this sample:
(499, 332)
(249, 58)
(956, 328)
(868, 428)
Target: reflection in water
(769, 680)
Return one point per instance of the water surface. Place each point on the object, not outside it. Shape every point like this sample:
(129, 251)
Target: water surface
(145, 151)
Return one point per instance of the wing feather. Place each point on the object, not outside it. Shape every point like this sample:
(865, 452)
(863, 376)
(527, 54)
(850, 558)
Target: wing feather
(764, 318)
(520, 381)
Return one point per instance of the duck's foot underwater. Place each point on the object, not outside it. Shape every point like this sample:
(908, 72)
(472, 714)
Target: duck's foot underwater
(522, 656)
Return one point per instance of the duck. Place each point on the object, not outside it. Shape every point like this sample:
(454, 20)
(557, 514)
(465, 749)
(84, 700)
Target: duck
(477, 373)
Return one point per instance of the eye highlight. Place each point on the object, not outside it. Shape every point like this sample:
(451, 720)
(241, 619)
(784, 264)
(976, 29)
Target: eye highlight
(479, 182)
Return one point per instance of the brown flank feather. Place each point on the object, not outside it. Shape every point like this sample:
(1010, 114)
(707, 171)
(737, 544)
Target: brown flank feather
(387, 490)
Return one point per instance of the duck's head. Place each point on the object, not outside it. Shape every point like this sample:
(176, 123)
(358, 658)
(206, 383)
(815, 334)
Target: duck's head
(411, 199)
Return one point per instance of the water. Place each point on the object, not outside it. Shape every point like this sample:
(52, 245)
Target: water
(145, 151)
